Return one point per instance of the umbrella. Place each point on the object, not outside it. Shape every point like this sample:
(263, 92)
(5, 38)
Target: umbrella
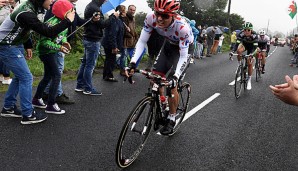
(224, 29)
(237, 31)
(110, 5)
(217, 29)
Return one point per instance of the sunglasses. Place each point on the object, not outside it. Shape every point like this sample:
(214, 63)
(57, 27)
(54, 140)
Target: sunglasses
(162, 15)
(246, 29)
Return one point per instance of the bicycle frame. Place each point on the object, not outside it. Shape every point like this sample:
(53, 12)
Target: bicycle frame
(156, 104)
(241, 75)
(244, 66)
(258, 66)
(148, 112)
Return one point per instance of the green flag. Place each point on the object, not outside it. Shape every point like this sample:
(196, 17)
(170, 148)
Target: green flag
(293, 9)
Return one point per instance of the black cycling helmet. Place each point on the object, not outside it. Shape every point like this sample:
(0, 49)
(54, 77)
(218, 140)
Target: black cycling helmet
(247, 25)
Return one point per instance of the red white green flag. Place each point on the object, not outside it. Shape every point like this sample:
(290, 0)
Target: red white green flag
(292, 9)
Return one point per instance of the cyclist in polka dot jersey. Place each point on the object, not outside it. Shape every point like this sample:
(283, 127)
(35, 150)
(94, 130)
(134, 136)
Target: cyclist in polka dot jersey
(174, 55)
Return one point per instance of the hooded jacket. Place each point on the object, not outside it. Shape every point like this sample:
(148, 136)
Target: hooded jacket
(15, 30)
(52, 45)
(94, 30)
(76, 22)
(113, 35)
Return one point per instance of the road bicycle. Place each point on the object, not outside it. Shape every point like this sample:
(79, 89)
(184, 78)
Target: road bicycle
(241, 76)
(148, 116)
(258, 67)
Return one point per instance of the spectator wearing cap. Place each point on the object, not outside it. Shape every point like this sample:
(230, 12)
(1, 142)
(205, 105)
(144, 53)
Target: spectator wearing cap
(61, 97)
(47, 49)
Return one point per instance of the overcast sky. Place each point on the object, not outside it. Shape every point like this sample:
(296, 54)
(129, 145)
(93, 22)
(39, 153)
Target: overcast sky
(259, 12)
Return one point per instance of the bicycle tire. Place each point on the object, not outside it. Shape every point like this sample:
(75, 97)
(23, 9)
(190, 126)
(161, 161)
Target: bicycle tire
(258, 70)
(238, 84)
(184, 95)
(124, 155)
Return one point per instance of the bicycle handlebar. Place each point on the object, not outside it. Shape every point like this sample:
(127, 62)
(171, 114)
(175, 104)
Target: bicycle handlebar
(162, 80)
(151, 75)
(235, 54)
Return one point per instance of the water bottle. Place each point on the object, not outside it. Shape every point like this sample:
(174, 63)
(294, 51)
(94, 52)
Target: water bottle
(165, 106)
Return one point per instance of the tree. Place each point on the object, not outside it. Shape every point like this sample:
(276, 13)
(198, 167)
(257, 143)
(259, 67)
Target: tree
(140, 17)
(208, 12)
(150, 3)
(236, 22)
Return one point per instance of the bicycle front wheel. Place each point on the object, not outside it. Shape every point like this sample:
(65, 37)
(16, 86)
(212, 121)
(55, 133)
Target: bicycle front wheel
(238, 81)
(184, 95)
(134, 133)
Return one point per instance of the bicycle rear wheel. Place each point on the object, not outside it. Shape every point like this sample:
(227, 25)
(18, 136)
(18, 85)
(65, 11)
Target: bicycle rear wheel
(238, 81)
(258, 70)
(184, 95)
(134, 133)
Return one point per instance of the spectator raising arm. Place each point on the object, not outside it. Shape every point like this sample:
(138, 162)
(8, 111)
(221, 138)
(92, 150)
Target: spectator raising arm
(287, 92)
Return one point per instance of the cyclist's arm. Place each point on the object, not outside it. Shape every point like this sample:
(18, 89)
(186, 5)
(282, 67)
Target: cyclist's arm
(142, 41)
(184, 47)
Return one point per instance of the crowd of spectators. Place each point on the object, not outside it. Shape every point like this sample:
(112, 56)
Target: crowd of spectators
(116, 34)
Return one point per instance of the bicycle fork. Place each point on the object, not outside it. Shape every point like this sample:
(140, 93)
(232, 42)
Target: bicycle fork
(147, 122)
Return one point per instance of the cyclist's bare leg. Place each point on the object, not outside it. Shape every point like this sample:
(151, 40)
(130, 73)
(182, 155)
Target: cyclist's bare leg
(263, 58)
(173, 104)
(250, 65)
(173, 101)
(263, 61)
(240, 50)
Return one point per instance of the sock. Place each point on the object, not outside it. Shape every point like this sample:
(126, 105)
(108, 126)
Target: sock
(172, 117)
(249, 78)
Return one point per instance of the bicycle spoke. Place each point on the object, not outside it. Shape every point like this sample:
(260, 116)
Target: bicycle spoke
(239, 80)
(184, 96)
(134, 133)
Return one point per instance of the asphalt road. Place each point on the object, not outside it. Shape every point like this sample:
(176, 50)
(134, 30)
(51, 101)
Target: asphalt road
(254, 132)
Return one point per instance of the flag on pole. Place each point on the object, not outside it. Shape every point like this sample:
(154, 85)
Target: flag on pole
(292, 9)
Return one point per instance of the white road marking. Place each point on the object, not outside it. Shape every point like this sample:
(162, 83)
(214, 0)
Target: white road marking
(197, 108)
(200, 106)
(233, 82)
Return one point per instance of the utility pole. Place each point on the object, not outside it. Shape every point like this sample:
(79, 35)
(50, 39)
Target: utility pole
(228, 18)
(267, 26)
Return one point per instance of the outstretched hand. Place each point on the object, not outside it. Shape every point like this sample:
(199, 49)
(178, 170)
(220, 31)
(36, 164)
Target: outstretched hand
(64, 49)
(129, 71)
(28, 54)
(67, 45)
(287, 92)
